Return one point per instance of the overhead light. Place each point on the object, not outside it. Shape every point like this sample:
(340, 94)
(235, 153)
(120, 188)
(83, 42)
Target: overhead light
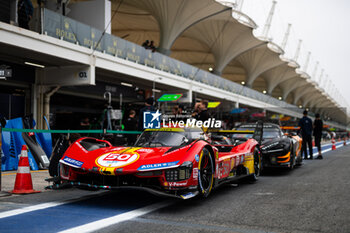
(280, 98)
(307, 109)
(156, 90)
(34, 64)
(210, 69)
(242, 82)
(264, 91)
(300, 106)
(126, 84)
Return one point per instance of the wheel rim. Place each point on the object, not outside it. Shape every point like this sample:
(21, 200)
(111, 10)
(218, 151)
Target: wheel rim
(206, 172)
(256, 166)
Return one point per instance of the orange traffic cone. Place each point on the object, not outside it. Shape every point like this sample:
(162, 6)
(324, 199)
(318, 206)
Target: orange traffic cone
(333, 144)
(23, 184)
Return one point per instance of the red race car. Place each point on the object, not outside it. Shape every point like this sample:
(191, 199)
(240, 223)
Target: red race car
(177, 162)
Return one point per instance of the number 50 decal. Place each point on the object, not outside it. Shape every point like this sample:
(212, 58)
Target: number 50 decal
(115, 159)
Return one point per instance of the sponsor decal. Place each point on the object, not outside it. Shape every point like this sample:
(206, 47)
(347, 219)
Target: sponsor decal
(232, 163)
(45, 159)
(195, 173)
(196, 157)
(157, 166)
(225, 169)
(177, 184)
(72, 162)
(116, 159)
(145, 150)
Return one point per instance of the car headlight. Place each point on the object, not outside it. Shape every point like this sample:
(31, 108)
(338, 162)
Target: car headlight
(183, 172)
(274, 145)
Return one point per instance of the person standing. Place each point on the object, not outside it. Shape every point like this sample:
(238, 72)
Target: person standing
(25, 11)
(318, 126)
(131, 125)
(305, 125)
(201, 111)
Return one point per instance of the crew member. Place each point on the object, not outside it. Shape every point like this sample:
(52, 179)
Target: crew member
(318, 126)
(305, 125)
(25, 13)
(201, 111)
(131, 125)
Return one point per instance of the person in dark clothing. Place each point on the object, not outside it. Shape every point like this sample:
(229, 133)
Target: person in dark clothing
(146, 44)
(201, 111)
(131, 125)
(152, 46)
(305, 125)
(318, 126)
(148, 107)
(25, 11)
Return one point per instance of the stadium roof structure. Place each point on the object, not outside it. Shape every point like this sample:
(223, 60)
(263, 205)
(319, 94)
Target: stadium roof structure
(215, 37)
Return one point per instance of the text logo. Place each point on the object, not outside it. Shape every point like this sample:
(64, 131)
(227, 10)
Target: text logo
(151, 120)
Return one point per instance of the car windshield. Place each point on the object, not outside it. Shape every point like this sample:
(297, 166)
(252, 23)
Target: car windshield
(168, 137)
(243, 135)
(271, 133)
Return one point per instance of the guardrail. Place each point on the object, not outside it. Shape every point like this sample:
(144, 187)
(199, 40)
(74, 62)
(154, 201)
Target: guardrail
(61, 27)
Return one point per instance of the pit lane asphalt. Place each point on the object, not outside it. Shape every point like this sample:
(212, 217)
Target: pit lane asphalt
(312, 198)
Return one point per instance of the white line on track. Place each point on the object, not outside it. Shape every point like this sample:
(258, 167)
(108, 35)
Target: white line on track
(42, 206)
(103, 223)
(24, 210)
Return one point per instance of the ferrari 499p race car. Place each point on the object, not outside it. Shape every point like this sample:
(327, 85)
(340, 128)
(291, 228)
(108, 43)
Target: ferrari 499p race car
(277, 149)
(177, 162)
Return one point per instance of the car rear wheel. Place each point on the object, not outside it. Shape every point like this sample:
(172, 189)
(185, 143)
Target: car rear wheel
(292, 160)
(205, 173)
(257, 167)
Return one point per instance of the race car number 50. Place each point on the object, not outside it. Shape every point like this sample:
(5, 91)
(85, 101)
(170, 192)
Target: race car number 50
(114, 159)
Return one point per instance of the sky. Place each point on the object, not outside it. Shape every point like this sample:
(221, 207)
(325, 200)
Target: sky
(323, 26)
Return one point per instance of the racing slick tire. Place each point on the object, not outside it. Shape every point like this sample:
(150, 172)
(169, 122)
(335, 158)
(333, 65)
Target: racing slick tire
(292, 160)
(299, 160)
(257, 167)
(205, 173)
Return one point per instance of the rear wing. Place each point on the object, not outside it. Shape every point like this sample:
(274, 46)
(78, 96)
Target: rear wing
(290, 127)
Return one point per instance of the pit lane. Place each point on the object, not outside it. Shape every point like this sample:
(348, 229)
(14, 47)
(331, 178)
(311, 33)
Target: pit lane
(312, 198)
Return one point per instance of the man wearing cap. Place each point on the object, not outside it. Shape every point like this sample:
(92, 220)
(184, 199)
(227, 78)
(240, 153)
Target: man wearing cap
(147, 108)
(305, 125)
